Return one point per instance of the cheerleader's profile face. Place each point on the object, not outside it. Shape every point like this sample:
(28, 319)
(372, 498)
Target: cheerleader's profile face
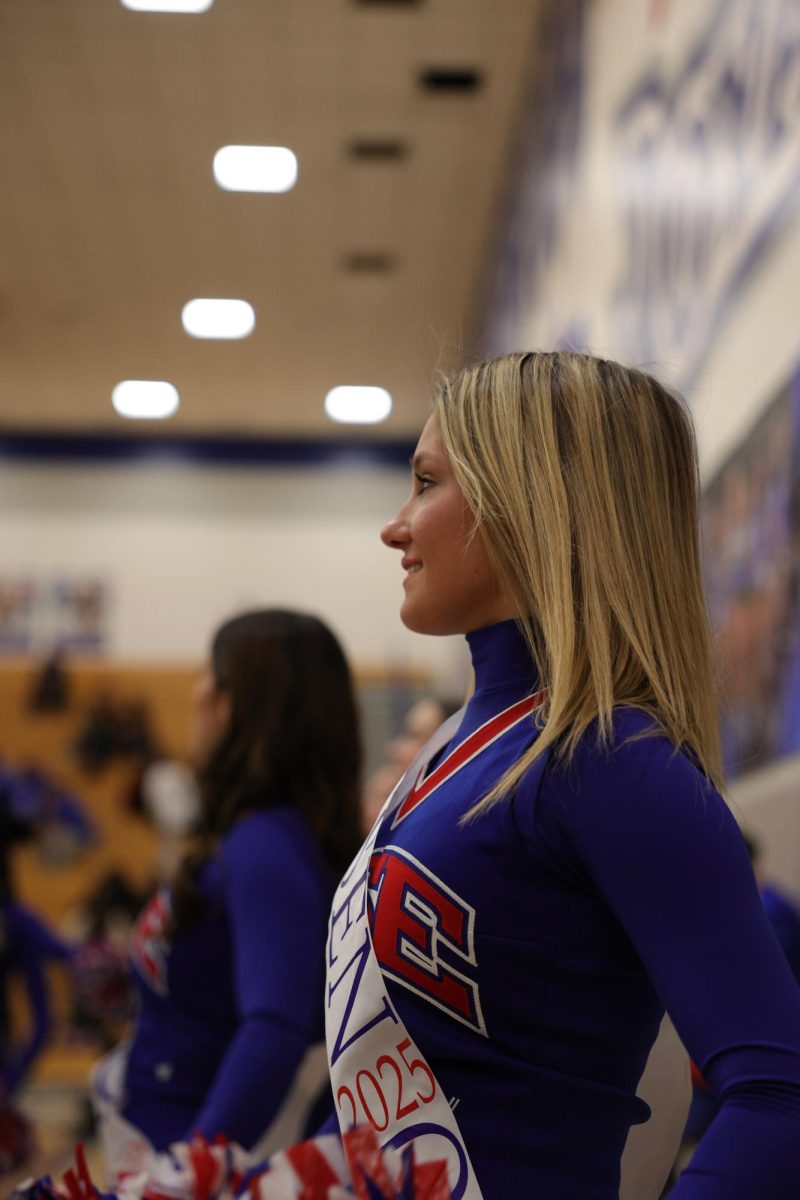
(211, 714)
(449, 584)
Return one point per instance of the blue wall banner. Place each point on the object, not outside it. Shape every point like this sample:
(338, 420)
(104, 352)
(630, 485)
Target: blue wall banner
(642, 199)
(542, 175)
(709, 164)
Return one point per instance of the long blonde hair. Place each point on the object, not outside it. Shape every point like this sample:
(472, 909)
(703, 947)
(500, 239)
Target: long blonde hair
(582, 477)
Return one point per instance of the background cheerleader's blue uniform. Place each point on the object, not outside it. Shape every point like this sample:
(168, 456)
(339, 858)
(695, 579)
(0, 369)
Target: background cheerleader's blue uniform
(26, 946)
(602, 892)
(229, 1006)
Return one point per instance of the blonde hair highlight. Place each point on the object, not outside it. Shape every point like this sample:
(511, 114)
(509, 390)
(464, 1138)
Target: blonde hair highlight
(582, 477)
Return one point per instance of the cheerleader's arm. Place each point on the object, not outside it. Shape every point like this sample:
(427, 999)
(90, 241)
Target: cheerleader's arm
(667, 856)
(278, 913)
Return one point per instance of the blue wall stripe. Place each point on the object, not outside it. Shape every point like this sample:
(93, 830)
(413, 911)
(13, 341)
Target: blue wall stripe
(55, 446)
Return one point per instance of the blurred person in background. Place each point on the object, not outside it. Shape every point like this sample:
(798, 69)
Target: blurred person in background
(421, 721)
(115, 726)
(51, 686)
(784, 917)
(27, 946)
(170, 799)
(229, 960)
(781, 909)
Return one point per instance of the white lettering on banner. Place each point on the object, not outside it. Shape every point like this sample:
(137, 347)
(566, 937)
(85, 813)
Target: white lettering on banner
(710, 160)
(543, 176)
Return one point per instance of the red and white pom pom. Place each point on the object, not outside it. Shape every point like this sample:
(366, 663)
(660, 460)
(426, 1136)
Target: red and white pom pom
(324, 1168)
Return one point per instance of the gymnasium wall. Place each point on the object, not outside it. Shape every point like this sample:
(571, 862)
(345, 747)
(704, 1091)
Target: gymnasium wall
(653, 214)
(181, 546)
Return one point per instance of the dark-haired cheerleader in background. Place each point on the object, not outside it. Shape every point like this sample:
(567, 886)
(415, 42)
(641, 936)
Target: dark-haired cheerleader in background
(229, 961)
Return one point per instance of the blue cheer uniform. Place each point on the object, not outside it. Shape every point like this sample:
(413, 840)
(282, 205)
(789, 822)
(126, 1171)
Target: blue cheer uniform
(230, 1004)
(531, 953)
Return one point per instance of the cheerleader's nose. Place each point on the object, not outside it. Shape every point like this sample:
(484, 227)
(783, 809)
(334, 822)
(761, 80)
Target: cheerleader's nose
(395, 533)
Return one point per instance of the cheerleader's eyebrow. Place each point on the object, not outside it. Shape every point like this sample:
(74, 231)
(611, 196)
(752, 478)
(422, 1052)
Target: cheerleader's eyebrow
(419, 460)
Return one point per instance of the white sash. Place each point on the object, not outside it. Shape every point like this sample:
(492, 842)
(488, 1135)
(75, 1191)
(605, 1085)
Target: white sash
(378, 1073)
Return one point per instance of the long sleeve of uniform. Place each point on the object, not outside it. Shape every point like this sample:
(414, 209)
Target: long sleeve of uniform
(277, 907)
(29, 945)
(663, 851)
(22, 1057)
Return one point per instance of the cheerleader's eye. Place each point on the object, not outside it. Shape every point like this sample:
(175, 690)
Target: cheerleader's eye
(423, 483)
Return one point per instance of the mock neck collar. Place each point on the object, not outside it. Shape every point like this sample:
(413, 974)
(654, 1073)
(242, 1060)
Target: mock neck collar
(500, 658)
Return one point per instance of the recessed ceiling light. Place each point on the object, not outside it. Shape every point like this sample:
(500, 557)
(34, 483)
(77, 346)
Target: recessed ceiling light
(168, 6)
(358, 405)
(145, 399)
(207, 318)
(255, 168)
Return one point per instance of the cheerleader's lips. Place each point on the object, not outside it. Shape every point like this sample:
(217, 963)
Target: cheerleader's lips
(411, 566)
